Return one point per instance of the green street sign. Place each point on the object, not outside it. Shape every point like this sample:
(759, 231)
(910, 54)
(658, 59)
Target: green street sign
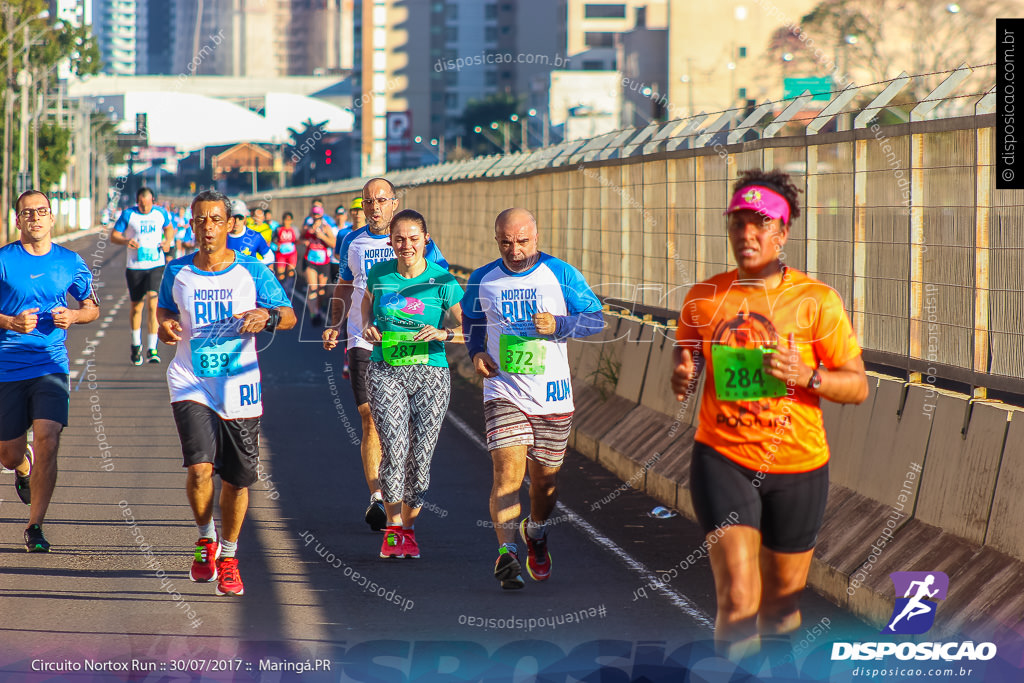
(821, 88)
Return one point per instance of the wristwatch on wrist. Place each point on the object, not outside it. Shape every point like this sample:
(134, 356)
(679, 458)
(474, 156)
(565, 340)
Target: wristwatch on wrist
(450, 335)
(815, 381)
(273, 320)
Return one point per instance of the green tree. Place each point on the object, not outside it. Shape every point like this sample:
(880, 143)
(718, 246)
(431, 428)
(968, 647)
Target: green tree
(493, 108)
(49, 46)
(864, 42)
(53, 153)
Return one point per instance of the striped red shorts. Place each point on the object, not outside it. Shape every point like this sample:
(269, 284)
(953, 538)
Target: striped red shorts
(545, 436)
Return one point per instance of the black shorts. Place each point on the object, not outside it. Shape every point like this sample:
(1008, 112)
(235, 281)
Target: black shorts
(25, 400)
(358, 361)
(787, 508)
(322, 269)
(335, 271)
(232, 446)
(142, 281)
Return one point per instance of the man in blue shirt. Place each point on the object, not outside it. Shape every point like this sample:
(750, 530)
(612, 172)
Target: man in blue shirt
(148, 233)
(245, 240)
(35, 278)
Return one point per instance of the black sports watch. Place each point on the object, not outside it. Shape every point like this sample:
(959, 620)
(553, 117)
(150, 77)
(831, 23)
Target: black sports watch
(815, 381)
(450, 336)
(273, 320)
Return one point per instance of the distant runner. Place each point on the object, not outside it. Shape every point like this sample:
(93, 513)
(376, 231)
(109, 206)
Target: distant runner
(148, 233)
(244, 240)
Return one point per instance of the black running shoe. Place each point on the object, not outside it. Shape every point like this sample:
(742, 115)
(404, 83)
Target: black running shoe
(35, 542)
(152, 356)
(508, 570)
(376, 517)
(21, 483)
(136, 355)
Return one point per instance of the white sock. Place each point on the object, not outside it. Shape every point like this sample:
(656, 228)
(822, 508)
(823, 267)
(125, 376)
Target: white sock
(137, 337)
(376, 495)
(152, 339)
(228, 548)
(208, 530)
(534, 530)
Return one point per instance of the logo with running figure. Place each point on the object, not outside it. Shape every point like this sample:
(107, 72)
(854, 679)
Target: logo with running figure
(914, 613)
(402, 306)
(752, 196)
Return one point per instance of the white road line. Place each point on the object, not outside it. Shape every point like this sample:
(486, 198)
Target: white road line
(680, 601)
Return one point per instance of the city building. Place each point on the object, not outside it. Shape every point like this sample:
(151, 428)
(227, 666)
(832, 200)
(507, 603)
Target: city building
(580, 104)
(418, 64)
(261, 38)
(121, 28)
(642, 56)
(593, 24)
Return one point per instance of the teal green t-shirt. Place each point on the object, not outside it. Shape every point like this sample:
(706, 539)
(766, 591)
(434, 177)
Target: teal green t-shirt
(407, 304)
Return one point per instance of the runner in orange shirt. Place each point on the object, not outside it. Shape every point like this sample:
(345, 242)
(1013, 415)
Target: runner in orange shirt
(775, 342)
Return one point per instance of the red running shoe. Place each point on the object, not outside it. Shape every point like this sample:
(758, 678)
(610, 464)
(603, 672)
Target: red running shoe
(410, 548)
(538, 559)
(394, 542)
(230, 582)
(204, 567)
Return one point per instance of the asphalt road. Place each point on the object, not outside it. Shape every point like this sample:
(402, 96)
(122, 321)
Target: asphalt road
(115, 591)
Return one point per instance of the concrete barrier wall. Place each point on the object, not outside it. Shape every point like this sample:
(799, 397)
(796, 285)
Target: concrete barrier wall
(921, 478)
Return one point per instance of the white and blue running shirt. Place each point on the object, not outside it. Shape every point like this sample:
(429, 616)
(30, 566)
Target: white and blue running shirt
(506, 302)
(148, 230)
(360, 251)
(215, 365)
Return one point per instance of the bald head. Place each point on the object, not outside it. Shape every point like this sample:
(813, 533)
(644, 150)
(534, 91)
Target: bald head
(514, 217)
(515, 231)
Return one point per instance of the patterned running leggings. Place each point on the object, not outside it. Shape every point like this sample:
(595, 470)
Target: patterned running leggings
(408, 404)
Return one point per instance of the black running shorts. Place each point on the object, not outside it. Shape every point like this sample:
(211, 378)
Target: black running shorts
(786, 508)
(232, 446)
(358, 361)
(25, 400)
(322, 269)
(142, 281)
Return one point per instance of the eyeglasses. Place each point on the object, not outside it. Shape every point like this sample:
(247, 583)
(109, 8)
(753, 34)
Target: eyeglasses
(379, 201)
(42, 212)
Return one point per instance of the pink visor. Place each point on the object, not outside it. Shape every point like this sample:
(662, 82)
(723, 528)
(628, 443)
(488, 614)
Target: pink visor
(317, 211)
(766, 202)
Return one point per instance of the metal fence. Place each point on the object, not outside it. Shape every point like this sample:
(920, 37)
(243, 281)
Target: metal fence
(903, 220)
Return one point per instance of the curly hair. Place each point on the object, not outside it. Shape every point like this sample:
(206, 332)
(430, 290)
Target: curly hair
(776, 180)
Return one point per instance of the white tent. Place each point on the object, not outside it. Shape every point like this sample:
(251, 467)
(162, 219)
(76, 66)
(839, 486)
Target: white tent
(285, 110)
(187, 121)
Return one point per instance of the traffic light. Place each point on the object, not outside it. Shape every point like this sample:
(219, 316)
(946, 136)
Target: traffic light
(327, 157)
